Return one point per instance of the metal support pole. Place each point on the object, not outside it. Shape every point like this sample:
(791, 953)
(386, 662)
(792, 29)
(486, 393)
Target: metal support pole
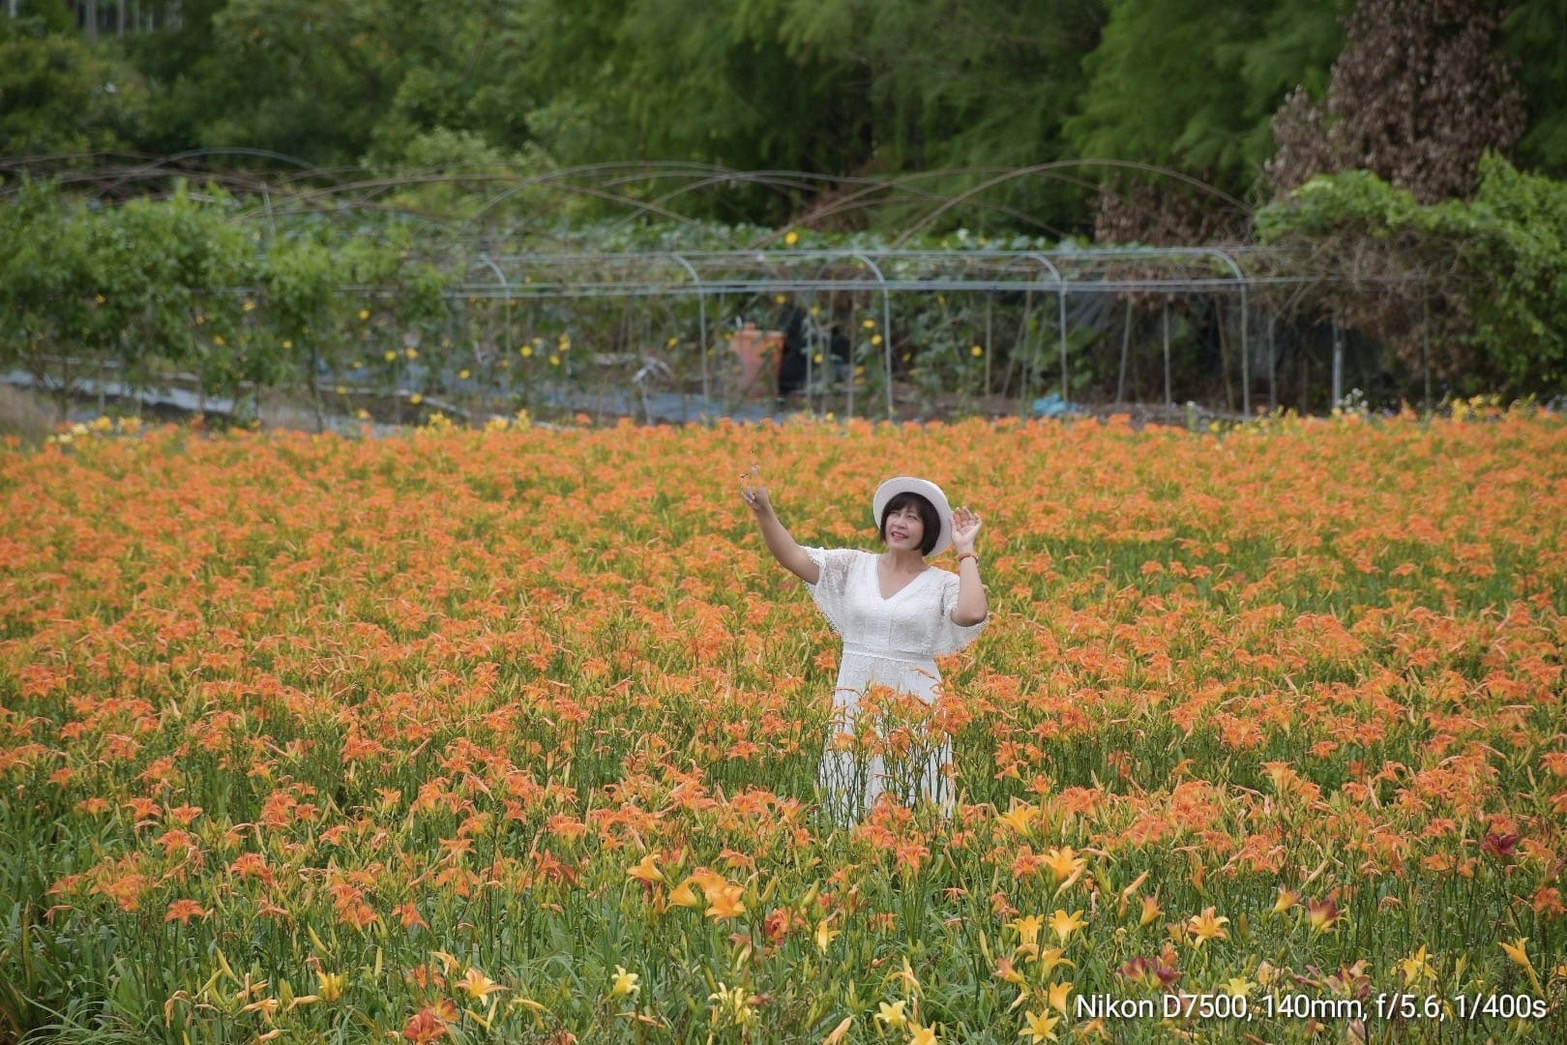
(1425, 344)
(1168, 399)
(1338, 364)
(1061, 298)
(1245, 359)
(1126, 348)
(1273, 367)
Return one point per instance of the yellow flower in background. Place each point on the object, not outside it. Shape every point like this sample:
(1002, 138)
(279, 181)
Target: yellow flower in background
(1416, 968)
(1064, 925)
(477, 985)
(1027, 930)
(911, 983)
(646, 870)
(1057, 995)
(1041, 1026)
(390, 355)
(791, 238)
(1239, 986)
(1288, 898)
(330, 986)
(1064, 863)
(625, 984)
(922, 1035)
(1208, 926)
(725, 902)
(976, 351)
(1152, 912)
(735, 1004)
(364, 313)
(825, 935)
(1518, 951)
(1051, 957)
(685, 896)
(890, 1014)
(1019, 818)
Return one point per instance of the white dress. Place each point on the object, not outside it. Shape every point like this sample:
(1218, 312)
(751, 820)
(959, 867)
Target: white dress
(893, 643)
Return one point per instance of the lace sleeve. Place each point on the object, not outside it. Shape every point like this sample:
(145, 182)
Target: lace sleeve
(831, 588)
(950, 637)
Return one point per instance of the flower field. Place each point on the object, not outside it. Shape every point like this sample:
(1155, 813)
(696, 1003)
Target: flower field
(513, 736)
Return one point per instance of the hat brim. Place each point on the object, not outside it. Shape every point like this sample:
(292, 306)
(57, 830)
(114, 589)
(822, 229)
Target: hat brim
(926, 489)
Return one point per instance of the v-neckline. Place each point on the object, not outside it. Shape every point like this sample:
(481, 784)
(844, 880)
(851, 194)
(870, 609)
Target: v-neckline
(876, 568)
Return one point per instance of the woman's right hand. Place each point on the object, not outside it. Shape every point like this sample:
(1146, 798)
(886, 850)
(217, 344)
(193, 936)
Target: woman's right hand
(757, 500)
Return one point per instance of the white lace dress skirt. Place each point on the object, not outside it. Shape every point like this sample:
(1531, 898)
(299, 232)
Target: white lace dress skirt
(881, 742)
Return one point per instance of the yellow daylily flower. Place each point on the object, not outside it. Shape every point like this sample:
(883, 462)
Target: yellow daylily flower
(1208, 926)
(1027, 930)
(478, 985)
(1041, 1026)
(330, 986)
(891, 1014)
(1019, 818)
(1064, 863)
(1064, 925)
(646, 870)
(1416, 967)
(625, 984)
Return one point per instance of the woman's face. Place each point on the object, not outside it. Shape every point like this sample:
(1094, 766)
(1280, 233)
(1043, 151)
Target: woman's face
(905, 529)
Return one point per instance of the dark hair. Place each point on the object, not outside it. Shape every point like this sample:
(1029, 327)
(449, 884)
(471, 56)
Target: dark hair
(928, 516)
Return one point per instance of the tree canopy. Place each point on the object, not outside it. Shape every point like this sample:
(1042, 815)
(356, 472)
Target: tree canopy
(1127, 104)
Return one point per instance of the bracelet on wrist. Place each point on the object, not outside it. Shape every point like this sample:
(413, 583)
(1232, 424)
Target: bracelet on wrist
(969, 555)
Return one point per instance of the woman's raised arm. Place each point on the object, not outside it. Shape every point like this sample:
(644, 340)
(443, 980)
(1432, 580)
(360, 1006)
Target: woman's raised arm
(784, 547)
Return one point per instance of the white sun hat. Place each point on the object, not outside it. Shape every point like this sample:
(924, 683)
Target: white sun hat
(926, 489)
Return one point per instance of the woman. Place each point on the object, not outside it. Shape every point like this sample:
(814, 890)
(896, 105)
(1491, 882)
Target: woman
(896, 615)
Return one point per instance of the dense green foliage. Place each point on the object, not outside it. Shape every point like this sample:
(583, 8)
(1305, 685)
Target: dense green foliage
(1116, 120)
(1493, 294)
(830, 86)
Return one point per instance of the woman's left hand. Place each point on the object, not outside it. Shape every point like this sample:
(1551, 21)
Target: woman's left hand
(965, 529)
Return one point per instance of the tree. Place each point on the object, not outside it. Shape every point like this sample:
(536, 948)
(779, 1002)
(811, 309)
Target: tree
(1182, 91)
(1418, 95)
(1469, 287)
(60, 94)
(334, 83)
(1534, 38)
